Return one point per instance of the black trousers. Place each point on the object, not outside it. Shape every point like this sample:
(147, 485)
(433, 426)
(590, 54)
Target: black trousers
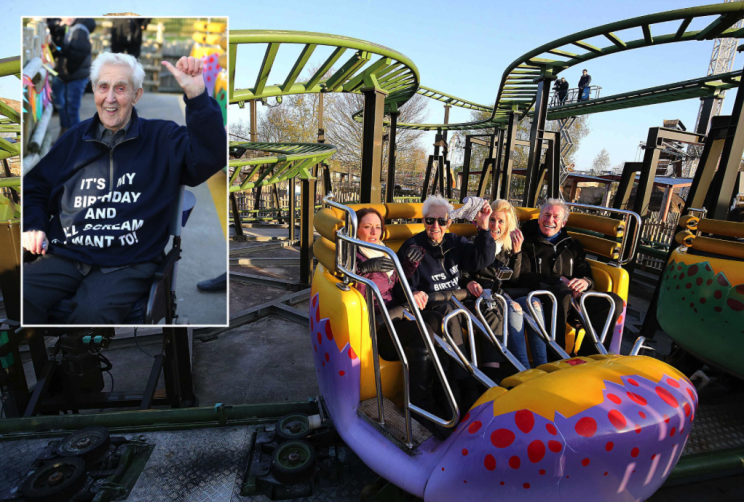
(598, 309)
(97, 298)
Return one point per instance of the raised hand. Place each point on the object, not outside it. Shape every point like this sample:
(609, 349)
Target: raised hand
(188, 74)
(517, 239)
(415, 254)
(481, 218)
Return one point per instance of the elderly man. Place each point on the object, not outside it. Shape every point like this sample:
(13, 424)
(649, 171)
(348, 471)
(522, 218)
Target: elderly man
(445, 257)
(96, 208)
(553, 260)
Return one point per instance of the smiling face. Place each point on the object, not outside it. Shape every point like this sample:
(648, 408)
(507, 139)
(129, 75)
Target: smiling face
(435, 232)
(370, 229)
(497, 224)
(551, 220)
(115, 96)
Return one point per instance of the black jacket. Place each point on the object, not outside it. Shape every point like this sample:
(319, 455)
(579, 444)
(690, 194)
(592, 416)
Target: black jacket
(486, 276)
(440, 268)
(561, 86)
(73, 58)
(544, 262)
(584, 81)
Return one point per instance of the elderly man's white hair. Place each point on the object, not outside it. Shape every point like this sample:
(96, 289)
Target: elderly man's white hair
(436, 201)
(559, 203)
(115, 58)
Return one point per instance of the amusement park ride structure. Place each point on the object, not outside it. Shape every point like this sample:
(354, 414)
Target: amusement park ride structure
(573, 395)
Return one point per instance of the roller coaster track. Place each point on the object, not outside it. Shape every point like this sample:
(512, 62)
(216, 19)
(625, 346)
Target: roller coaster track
(367, 65)
(291, 160)
(11, 123)
(518, 87)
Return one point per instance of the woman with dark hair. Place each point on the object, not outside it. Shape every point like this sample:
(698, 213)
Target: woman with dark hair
(377, 267)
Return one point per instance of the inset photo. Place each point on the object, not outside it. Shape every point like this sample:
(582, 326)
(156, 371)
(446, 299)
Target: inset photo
(124, 171)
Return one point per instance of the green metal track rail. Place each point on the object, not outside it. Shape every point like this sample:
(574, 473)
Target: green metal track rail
(290, 160)
(12, 121)
(518, 87)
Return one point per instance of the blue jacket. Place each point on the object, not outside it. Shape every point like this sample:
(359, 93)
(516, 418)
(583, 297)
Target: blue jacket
(111, 206)
(441, 266)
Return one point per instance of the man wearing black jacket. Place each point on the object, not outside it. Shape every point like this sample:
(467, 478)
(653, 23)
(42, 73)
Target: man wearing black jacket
(561, 88)
(584, 81)
(553, 260)
(72, 64)
(97, 206)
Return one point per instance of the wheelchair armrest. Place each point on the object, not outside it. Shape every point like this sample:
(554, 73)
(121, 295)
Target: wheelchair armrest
(160, 303)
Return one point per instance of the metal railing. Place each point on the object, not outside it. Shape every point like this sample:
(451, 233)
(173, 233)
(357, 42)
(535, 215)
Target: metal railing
(346, 264)
(624, 257)
(572, 96)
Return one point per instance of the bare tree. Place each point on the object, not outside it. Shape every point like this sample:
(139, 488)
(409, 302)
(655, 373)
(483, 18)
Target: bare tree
(344, 132)
(601, 162)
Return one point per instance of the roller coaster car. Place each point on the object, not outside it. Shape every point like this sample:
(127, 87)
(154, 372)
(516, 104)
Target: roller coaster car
(605, 427)
(701, 294)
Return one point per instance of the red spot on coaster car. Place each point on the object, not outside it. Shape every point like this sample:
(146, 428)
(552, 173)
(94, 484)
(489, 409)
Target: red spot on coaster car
(615, 399)
(673, 383)
(575, 362)
(632, 382)
(585, 462)
(352, 354)
(490, 462)
(525, 420)
(637, 399)
(474, 427)
(514, 462)
(464, 452)
(554, 446)
(735, 305)
(687, 409)
(667, 397)
(342, 373)
(536, 451)
(502, 438)
(634, 452)
(327, 357)
(586, 427)
(329, 332)
(551, 429)
(617, 419)
(609, 446)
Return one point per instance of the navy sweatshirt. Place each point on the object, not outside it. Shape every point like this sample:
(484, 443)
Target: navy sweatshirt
(111, 206)
(441, 266)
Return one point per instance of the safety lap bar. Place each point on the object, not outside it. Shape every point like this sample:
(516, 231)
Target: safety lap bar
(598, 341)
(483, 325)
(549, 338)
(345, 264)
(622, 259)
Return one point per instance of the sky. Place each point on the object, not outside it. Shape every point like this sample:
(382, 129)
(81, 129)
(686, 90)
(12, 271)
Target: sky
(459, 48)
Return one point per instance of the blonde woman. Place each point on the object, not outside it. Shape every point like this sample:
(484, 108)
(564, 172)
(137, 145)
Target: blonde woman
(503, 227)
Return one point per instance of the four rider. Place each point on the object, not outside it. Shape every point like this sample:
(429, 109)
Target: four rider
(500, 258)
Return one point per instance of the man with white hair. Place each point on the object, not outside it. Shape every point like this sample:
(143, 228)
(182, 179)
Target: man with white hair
(445, 258)
(97, 206)
(553, 260)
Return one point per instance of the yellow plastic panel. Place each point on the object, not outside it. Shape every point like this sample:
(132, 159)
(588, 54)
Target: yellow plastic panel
(604, 273)
(601, 224)
(402, 232)
(463, 229)
(325, 252)
(327, 223)
(718, 246)
(521, 377)
(527, 213)
(347, 311)
(597, 245)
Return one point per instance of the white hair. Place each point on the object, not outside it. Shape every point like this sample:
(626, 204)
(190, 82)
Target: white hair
(434, 201)
(115, 58)
(559, 203)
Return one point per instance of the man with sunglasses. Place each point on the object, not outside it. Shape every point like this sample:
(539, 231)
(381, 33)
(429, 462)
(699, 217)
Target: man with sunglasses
(445, 257)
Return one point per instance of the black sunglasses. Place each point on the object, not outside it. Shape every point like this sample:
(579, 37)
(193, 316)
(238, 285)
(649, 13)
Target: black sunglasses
(430, 221)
